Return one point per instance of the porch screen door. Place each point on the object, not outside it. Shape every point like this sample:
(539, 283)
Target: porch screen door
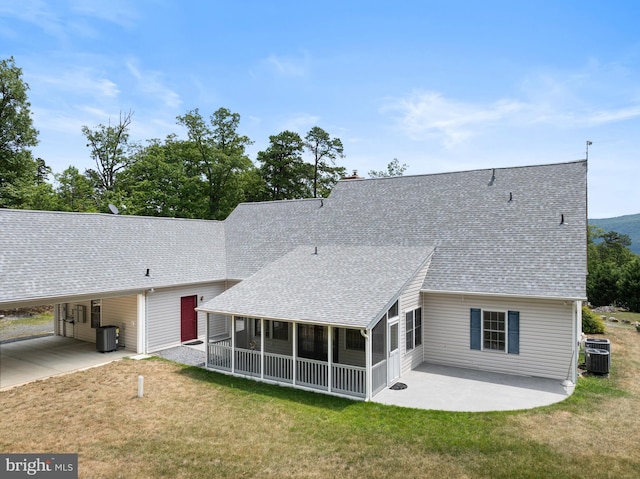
(393, 363)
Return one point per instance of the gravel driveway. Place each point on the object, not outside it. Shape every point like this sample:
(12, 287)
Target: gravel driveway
(184, 355)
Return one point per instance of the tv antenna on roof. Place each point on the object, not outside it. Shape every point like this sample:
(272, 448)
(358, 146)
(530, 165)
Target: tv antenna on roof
(589, 143)
(113, 209)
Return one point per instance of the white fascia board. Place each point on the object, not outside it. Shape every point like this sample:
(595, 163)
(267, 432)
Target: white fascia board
(503, 295)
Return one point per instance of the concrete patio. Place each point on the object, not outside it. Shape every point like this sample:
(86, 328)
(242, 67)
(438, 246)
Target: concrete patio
(31, 359)
(445, 388)
(429, 386)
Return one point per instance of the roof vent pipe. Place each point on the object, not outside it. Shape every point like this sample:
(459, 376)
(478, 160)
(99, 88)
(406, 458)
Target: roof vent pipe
(510, 196)
(562, 219)
(493, 177)
(316, 251)
(147, 274)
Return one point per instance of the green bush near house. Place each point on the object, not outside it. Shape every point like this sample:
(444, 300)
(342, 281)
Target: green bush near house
(591, 322)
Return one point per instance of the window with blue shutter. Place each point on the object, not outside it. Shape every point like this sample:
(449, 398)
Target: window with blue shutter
(476, 329)
(513, 329)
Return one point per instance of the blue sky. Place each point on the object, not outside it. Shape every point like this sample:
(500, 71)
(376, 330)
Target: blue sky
(440, 85)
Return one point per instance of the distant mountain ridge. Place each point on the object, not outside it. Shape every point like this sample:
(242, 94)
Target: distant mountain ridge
(628, 225)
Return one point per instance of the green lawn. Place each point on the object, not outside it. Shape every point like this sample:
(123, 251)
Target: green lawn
(193, 423)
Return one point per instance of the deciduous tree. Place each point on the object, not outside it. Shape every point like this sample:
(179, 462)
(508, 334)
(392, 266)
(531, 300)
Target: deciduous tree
(393, 169)
(17, 136)
(110, 149)
(75, 191)
(216, 154)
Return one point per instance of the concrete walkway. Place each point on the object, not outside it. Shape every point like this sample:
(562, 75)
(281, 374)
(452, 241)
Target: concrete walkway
(447, 388)
(31, 359)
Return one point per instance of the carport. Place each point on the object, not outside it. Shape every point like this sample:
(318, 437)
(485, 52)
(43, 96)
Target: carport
(32, 359)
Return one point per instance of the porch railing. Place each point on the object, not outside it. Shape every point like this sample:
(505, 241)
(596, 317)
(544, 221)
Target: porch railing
(312, 373)
(379, 376)
(219, 356)
(345, 379)
(247, 361)
(278, 367)
(351, 380)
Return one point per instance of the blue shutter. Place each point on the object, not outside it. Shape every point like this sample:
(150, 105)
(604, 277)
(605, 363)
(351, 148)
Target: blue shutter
(476, 329)
(514, 332)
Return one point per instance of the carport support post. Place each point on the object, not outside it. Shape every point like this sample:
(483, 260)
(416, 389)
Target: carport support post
(141, 323)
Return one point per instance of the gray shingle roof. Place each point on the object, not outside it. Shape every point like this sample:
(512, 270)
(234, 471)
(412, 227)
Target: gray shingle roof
(259, 233)
(53, 254)
(342, 285)
(496, 237)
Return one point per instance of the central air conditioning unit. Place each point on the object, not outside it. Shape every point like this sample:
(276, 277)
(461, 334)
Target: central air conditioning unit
(599, 343)
(107, 338)
(597, 360)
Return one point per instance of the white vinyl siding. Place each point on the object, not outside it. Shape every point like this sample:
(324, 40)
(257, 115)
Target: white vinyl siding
(122, 312)
(545, 335)
(275, 346)
(349, 356)
(81, 330)
(410, 300)
(163, 313)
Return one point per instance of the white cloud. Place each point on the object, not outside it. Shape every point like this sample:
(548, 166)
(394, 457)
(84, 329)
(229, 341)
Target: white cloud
(150, 82)
(36, 12)
(119, 12)
(288, 66)
(300, 123)
(589, 98)
(426, 115)
(78, 80)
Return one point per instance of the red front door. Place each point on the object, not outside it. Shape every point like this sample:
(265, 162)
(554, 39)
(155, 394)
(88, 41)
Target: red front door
(188, 318)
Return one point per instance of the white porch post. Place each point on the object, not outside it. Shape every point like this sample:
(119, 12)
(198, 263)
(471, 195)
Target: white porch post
(262, 348)
(368, 364)
(233, 344)
(206, 340)
(141, 323)
(329, 357)
(294, 328)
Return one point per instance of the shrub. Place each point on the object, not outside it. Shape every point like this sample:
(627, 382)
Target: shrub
(591, 322)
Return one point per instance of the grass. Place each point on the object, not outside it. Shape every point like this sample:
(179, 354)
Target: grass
(198, 424)
(622, 315)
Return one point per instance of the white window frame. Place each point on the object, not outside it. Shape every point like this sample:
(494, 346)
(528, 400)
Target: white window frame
(505, 331)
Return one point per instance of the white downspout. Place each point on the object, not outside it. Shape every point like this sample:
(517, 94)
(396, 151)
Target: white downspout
(367, 365)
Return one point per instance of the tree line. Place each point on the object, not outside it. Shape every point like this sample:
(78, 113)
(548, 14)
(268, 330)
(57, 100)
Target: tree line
(205, 175)
(614, 270)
